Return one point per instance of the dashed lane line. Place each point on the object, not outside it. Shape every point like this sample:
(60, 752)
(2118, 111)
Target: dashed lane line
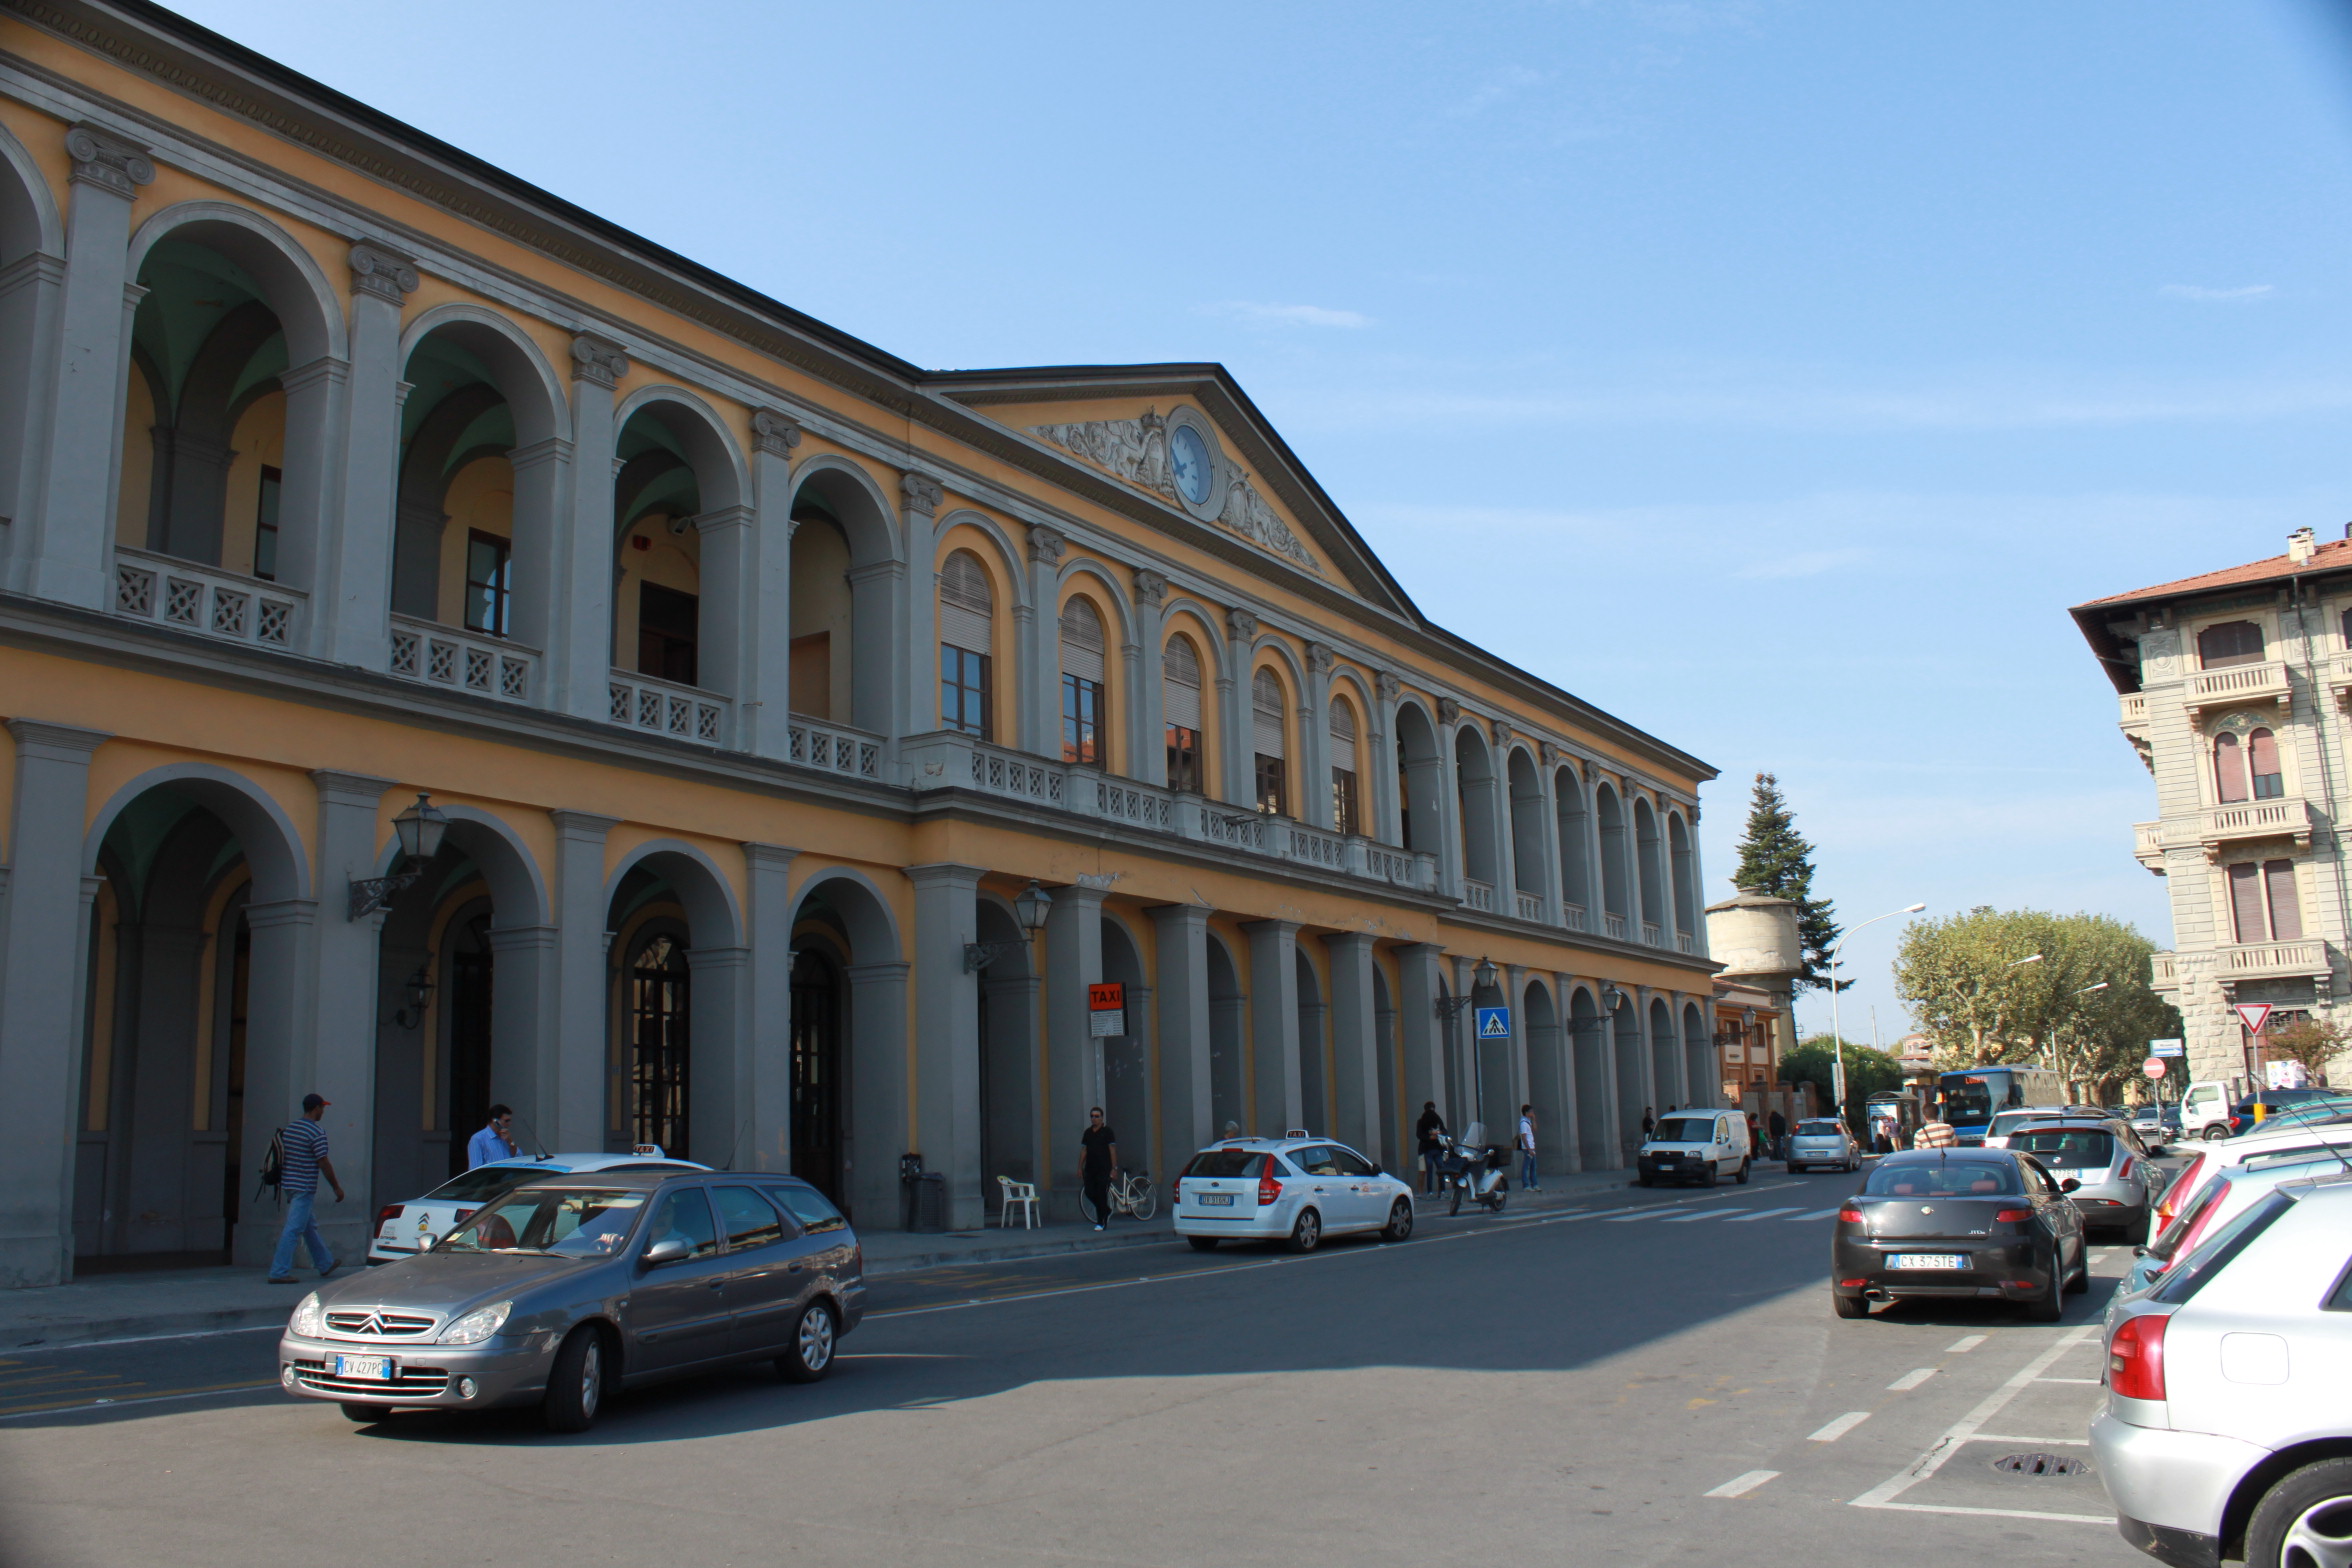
(1963, 1345)
(1911, 1380)
(1966, 1430)
(1840, 1427)
(1817, 1214)
(1696, 1215)
(1757, 1214)
(1742, 1485)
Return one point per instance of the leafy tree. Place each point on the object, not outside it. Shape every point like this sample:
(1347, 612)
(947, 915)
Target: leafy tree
(2085, 1006)
(1776, 859)
(1868, 1071)
(2312, 1041)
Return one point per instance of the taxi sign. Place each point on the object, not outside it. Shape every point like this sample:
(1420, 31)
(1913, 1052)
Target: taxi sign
(1106, 998)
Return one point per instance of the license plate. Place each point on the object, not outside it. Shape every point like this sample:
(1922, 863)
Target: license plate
(367, 1369)
(1929, 1260)
(1216, 1200)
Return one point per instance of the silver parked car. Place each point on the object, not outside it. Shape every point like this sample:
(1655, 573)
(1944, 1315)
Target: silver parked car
(404, 1229)
(2118, 1179)
(2226, 1433)
(1823, 1145)
(563, 1289)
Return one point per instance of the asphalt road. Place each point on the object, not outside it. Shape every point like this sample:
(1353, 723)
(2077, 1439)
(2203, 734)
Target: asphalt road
(1654, 1378)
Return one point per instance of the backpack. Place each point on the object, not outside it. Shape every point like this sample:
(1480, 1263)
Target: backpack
(273, 1164)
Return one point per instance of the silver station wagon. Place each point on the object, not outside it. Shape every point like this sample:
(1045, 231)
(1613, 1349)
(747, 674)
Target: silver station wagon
(564, 1289)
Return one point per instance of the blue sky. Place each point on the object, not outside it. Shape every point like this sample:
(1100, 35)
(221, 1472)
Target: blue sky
(1771, 374)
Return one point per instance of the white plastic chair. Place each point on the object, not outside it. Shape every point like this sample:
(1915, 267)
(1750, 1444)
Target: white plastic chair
(1018, 1193)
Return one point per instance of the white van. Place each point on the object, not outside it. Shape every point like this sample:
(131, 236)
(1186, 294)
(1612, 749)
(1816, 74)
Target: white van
(2206, 1105)
(1700, 1146)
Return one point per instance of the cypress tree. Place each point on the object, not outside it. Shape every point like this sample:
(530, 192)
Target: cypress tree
(1776, 859)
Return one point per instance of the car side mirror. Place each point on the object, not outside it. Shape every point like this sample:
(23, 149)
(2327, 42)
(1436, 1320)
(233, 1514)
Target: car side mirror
(2070, 1184)
(670, 1249)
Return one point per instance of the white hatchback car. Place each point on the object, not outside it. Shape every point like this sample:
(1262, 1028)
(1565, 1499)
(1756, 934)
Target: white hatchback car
(405, 1229)
(1295, 1188)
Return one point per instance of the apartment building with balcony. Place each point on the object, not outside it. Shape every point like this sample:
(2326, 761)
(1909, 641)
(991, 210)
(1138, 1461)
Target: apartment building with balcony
(2232, 687)
(800, 733)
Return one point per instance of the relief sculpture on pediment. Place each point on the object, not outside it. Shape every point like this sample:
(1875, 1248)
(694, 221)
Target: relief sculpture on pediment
(1136, 450)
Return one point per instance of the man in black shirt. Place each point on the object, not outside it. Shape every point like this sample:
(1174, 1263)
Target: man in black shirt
(1098, 1162)
(1427, 1129)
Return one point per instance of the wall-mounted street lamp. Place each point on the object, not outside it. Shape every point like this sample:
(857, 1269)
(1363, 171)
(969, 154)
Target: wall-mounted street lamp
(1482, 979)
(419, 828)
(1030, 908)
(420, 991)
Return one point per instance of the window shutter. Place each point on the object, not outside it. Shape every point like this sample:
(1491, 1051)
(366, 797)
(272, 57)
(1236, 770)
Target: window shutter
(2232, 642)
(1082, 641)
(966, 606)
(1343, 724)
(1266, 700)
(2262, 751)
(2229, 770)
(2286, 910)
(1180, 685)
(2245, 883)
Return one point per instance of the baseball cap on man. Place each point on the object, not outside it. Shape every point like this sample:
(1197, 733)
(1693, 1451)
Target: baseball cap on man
(315, 1102)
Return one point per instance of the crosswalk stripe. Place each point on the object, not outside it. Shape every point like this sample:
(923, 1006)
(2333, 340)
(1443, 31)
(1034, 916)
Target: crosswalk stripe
(1817, 1214)
(1840, 1427)
(1757, 1214)
(1702, 1214)
(1741, 1485)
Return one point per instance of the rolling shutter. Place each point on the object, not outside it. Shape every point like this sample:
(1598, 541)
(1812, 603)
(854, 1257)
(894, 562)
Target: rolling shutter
(1082, 641)
(965, 605)
(1180, 685)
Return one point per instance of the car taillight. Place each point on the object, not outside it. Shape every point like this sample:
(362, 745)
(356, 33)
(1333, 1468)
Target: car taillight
(2135, 1358)
(390, 1211)
(1849, 1215)
(2182, 1185)
(460, 1217)
(2125, 1169)
(1269, 1190)
(1176, 1190)
(2013, 1216)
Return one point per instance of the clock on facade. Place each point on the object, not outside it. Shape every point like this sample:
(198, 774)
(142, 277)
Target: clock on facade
(1188, 455)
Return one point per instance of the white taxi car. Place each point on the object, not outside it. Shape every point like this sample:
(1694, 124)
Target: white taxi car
(405, 1229)
(1294, 1188)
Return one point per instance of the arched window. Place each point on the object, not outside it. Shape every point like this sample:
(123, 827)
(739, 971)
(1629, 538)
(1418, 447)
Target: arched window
(966, 625)
(659, 1033)
(1180, 704)
(2231, 642)
(2262, 759)
(1267, 727)
(2264, 906)
(1082, 683)
(2229, 769)
(1343, 765)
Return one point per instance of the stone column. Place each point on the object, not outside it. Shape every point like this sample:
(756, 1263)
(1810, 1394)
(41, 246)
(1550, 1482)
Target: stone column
(1421, 1032)
(68, 556)
(579, 636)
(729, 537)
(1315, 739)
(1547, 782)
(280, 1063)
(1450, 854)
(573, 1067)
(542, 482)
(352, 590)
(1355, 1043)
(1274, 1024)
(1150, 760)
(1385, 824)
(335, 1033)
(1504, 828)
(41, 988)
(947, 1035)
(764, 706)
(1567, 1137)
(877, 1132)
(719, 1117)
(1236, 716)
(310, 500)
(1073, 1057)
(1041, 660)
(1182, 991)
(525, 1001)
(765, 1095)
(918, 699)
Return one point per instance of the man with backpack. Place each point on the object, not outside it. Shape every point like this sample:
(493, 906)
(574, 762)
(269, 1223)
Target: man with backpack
(297, 1158)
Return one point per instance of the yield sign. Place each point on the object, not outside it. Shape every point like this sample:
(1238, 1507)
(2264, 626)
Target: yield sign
(2253, 1015)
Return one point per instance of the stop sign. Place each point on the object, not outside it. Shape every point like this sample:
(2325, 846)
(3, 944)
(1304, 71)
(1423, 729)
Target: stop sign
(2153, 1067)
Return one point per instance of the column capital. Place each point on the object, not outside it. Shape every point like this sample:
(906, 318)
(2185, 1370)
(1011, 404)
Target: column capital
(774, 432)
(1553, 756)
(113, 163)
(1319, 658)
(1241, 625)
(324, 368)
(1386, 686)
(1449, 712)
(349, 789)
(922, 494)
(1359, 940)
(945, 874)
(1502, 734)
(582, 825)
(769, 857)
(1280, 928)
(55, 742)
(598, 360)
(1186, 917)
(1045, 544)
(281, 912)
(383, 272)
(1151, 588)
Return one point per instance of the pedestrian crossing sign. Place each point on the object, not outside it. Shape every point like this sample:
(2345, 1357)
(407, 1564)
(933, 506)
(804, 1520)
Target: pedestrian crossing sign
(1494, 1023)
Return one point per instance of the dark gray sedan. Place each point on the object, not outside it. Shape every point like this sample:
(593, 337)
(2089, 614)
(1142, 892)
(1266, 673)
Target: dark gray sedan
(1987, 1223)
(562, 1290)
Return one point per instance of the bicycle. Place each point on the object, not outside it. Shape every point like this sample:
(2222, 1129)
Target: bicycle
(1131, 1194)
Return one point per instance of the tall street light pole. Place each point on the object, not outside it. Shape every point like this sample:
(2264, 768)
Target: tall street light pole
(1837, 1039)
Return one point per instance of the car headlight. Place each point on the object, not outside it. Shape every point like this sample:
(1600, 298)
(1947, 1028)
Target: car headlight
(477, 1325)
(309, 1319)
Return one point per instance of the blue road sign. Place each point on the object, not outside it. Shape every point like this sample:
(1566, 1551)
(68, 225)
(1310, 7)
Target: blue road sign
(1494, 1023)
(2164, 1048)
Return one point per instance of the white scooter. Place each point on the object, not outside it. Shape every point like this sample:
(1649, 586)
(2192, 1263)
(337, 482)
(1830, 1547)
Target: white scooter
(1474, 1167)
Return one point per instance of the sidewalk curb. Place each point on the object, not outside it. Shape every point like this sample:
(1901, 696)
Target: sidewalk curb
(1013, 1252)
(34, 1334)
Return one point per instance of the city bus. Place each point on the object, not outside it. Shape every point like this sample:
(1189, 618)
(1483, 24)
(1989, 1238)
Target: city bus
(1968, 1099)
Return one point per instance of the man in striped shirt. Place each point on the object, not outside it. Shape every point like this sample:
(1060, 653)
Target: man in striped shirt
(303, 1142)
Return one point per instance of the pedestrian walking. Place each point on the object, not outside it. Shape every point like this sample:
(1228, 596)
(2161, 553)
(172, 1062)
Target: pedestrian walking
(495, 1141)
(1935, 1135)
(1755, 1138)
(1649, 1124)
(1779, 1126)
(1098, 1162)
(1429, 1129)
(302, 1151)
(1527, 1171)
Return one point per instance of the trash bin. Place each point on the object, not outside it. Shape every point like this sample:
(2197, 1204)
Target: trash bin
(910, 1173)
(931, 1201)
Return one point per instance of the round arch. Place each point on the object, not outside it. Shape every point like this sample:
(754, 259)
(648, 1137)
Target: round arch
(293, 286)
(1203, 632)
(709, 447)
(868, 521)
(517, 886)
(1004, 560)
(29, 220)
(273, 845)
(854, 1018)
(518, 368)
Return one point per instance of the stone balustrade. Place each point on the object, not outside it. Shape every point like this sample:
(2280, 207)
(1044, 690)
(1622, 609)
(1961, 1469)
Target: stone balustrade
(462, 660)
(2237, 686)
(668, 708)
(833, 748)
(205, 599)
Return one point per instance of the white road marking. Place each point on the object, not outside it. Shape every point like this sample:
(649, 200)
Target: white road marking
(1817, 1214)
(1997, 1513)
(1968, 1426)
(1961, 1347)
(1741, 1485)
(2032, 1442)
(1840, 1427)
(1702, 1214)
(1911, 1380)
(1756, 1214)
(1643, 1213)
(2087, 1382)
